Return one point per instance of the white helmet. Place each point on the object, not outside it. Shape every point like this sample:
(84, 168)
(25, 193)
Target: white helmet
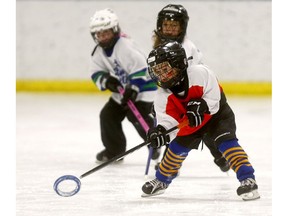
(103, 20)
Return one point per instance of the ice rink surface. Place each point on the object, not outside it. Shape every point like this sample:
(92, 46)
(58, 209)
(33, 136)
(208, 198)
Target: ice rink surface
(58, 134)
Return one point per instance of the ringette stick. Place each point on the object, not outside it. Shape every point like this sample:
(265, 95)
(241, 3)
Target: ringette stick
(135, 112)
(148, 161)
(144, 125)
(118, 157)
(67, 192)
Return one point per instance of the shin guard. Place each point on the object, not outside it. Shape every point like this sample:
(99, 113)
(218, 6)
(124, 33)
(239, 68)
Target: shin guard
(171, 163)
(237, 158)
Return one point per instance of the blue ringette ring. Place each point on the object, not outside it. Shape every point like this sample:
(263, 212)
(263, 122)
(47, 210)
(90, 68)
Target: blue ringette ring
(67, 193)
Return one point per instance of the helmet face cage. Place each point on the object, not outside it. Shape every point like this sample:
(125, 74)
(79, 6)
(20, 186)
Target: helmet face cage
(165, 74)
(167, 64)
(104, 20)
(173, 12)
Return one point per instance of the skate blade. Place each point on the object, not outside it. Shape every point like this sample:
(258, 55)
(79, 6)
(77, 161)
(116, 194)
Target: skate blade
(154, 194)
(253, 195)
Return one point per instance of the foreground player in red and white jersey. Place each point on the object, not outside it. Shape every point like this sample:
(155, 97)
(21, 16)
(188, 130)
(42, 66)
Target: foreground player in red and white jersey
(172, 22)
(117, 62)
(192, 93)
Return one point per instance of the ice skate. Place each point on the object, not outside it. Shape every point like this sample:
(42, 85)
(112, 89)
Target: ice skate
(153, 188)
(248, 190)
(223, 164)
(104, 156)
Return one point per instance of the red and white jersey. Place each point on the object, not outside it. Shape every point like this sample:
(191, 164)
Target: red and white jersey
(170, 110)
(192, 50)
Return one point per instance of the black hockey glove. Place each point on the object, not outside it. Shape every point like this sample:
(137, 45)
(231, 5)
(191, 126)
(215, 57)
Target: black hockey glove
(195, 111)
(111, 83)
(130, 93)
(157, 137)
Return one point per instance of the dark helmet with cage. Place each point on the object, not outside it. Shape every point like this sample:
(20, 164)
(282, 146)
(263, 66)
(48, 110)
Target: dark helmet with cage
(104, 20)
(167, 64)
(176, 13)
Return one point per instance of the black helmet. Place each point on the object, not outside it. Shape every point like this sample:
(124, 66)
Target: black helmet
(167, 64)
(173, 12)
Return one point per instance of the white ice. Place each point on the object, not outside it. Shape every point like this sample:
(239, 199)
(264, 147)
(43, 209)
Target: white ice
(58, 134)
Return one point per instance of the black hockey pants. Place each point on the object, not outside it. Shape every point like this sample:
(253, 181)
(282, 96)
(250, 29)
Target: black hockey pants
(111, 118)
